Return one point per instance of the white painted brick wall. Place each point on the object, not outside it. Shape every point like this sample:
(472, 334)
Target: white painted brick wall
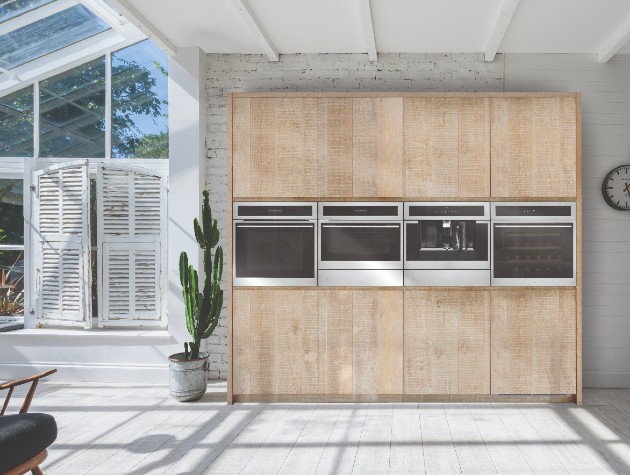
(321, 72)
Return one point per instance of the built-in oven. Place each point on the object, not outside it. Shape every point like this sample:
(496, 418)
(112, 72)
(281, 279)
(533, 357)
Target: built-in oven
(533, 244)
(275, 244)
(360, 244)
(447, 243)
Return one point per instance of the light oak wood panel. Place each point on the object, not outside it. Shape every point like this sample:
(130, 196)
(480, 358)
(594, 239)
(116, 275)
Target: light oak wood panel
(446, 342)
(336, 305)
(533, 147)
(241, 349)
(533, 341)
(447, 147)
(334, 143)
(275, 150)
(377, 137)
(377, 356)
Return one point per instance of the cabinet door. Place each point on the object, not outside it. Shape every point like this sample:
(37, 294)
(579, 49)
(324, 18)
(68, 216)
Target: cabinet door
(278, 347)
(447, 342)
(274, 147)
(533, 147)
(447, 147)
(377, 147)
(365, 336)
(334, 147)
(533, 341)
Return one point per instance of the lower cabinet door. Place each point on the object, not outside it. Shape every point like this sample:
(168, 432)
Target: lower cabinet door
(533, 341)
(447, 341)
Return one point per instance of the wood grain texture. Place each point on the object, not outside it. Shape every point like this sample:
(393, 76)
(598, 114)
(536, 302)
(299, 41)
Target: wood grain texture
(446, 342)
(337, 306)
(533, 342)
(365, 309)
(390, 342)
(533, 147)
(578, 249)
(262, 342)
(241, 343)
(241, 146)
(389, 165)
(335, 147)
(228, 247)
(446, 147)
(288, 342)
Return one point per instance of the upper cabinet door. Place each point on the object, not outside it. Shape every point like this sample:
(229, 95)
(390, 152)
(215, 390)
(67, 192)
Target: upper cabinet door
(275, 147)
(377, 147)
(534, 147)
(334, 147)
(447, 147)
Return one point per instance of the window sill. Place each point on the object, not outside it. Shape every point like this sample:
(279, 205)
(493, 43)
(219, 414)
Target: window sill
(92, 333)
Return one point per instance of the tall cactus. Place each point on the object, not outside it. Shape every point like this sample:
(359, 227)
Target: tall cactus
(202, 308)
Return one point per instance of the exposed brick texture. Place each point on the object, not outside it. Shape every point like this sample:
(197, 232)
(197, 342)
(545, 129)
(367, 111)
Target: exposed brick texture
(321, 72)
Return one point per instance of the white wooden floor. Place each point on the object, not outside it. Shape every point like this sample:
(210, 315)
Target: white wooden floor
(113, 429)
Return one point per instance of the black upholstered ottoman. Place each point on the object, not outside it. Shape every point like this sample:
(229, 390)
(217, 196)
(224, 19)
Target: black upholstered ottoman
(23, 436)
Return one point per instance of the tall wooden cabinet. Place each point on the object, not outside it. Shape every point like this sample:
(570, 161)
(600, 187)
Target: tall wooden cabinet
(533, 153)
(404, 343)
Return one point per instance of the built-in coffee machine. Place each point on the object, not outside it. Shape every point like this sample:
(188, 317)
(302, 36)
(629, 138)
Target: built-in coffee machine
(447, 244)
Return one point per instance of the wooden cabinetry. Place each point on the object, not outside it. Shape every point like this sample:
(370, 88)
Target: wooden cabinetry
(317, 342)
(275, 147)
(377, 147)
(534, 147)
(447, 147)
(447, 342)
(533, 341)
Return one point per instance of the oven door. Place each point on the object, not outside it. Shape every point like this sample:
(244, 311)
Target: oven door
(533, 253)
(360, 245)
(277, 253)
(428, 246)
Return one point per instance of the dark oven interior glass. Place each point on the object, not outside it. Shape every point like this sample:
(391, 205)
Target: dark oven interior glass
(273, 250)
(527, 251)
(360, 242)
(447, 240)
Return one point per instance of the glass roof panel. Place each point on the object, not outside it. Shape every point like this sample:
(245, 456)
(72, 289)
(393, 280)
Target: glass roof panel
(12, 8)
(48, 35)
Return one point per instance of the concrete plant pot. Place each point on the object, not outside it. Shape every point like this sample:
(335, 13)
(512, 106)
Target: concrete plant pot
(188, 379)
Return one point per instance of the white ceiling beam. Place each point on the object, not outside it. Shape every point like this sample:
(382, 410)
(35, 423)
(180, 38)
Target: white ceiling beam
(145, 26)
(614, 43)
(254, 26)
(35, 15)
(500, 28)
(106, 13)
(64, 59)
(368, 29)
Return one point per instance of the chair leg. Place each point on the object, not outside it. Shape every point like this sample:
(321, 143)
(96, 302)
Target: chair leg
(36, 471)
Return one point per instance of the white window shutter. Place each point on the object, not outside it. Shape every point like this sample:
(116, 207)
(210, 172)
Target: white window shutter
(132, 246)
(63, 274)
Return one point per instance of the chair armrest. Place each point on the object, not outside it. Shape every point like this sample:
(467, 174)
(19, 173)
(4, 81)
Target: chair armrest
(11, 385)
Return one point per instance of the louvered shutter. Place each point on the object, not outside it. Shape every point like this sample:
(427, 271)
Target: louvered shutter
(63, 273)
(132, 246)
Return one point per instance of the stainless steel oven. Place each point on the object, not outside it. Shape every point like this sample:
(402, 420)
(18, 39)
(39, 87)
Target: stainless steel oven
(447, 243)
(533, 244)
(275, 244)
(360, 244)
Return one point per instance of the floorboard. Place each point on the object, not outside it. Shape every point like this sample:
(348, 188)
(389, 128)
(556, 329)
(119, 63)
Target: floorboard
(138, 429)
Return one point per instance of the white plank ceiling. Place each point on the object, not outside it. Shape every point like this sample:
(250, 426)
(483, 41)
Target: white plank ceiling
(410, 26)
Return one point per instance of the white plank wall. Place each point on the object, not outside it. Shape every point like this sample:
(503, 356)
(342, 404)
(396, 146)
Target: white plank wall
(606, 144)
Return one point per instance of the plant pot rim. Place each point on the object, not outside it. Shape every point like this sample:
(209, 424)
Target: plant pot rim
(181, 357)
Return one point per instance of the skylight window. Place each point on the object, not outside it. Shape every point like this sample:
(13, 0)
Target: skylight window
(12, 8)
(48, 35)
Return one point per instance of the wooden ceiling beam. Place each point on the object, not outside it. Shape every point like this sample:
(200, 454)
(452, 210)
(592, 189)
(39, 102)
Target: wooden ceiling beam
(500, 28)
(254, 26)
(614, 43)
(368, 29)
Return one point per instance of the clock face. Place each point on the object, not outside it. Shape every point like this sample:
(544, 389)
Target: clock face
(616, 188)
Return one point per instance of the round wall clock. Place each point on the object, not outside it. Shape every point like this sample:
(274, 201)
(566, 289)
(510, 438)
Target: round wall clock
(616, 188)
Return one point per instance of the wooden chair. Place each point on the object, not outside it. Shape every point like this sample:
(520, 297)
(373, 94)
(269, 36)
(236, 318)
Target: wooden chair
(32, 464)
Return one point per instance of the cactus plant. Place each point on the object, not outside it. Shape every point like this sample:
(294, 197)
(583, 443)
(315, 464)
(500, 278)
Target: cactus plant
(202, 307)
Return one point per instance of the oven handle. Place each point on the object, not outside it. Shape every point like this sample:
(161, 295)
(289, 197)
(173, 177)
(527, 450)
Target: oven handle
(276, 225)
(361, 226)
(533, 225)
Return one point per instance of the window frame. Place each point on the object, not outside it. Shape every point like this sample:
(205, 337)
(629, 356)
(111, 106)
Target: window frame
(24, 167)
